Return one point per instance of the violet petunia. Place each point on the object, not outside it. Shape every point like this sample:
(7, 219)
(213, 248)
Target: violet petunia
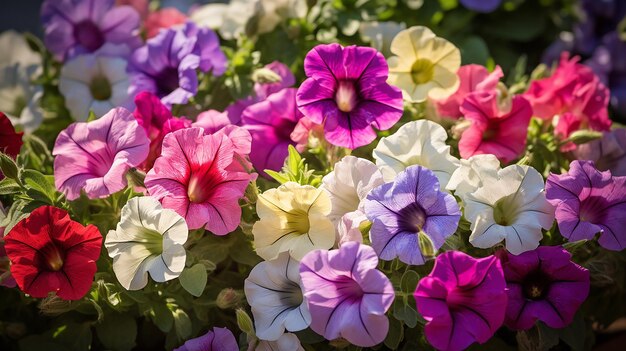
(544, 285)
(608, 153)
(411, 217)
(74, 27)
(589, 202)
(271, 123)
(463, 300)
(346, 295)
(484, 6)
(217, 339)
(94, 156)
(167, 65)
(347, 91)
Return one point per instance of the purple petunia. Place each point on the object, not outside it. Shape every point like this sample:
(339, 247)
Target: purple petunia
(218, 339)
(74, 27)
(463, 300)
(411, 218)
(346, 295)
(167, 65)
(589, 202)
(347, 91)
(484, 6)
(544, 285)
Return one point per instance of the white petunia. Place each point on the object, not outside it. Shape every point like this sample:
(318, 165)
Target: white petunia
(511, 207)
(286, 342)
(95, 83)
(421, 143)
(380, 34)
(349, 227)
(473, 173)
(148, 239)
(15, 50)
(275, 296)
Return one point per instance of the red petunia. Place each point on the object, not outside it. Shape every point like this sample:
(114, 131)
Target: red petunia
(10, 141)
(51, 252)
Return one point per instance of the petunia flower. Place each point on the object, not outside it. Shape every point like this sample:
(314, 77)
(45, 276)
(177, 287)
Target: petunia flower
(472, 78)
(380, 34)
(275, 296)
(141, 6)
(483, 6)
(346, 90)
(230, 19)
(608, 153)
(424, 66)
(74, 27)
(50, 252)
(271, 123)
(167, 65)
(95, 156)
(589, 202)
(347, 296)
(157, 120)
(286, 342)
(10, 141)
(283, 79)
(544, 285)
(148, 239)
(349, 227)
(217, 339)
(163, 18)
(411, 217)
(494, 130)
(510, 207)
(473, 174)
(463, 300)
(200, 177)
(94, 82)
(421, 143)
(294, 219)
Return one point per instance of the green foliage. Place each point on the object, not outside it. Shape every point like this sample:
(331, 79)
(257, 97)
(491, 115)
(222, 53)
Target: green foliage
(295, 170)
(193, 279)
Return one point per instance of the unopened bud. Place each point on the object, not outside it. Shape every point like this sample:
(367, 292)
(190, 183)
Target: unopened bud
(584, 136)
(427, 247)
(364, 227)
(244, 322)
(265, 76)
(136, 177)
(55, 306)
(228, 298)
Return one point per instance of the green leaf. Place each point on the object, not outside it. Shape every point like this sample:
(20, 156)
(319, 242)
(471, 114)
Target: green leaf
(8, 167)
(193, 279)
(395, 334)
(40, 183)
(277, 176)
(574, 334)
(9, 187)
(409, 281)
(182, 323)
(162, 317)
(474, 50)
(117, 331)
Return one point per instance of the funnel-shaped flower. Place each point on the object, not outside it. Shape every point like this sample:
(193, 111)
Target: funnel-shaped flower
(217, 339)
(50, 252)
(148, 239)
(608, 153)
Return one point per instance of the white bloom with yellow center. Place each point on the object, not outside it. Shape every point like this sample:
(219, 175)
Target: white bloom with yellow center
(424, 66)
(510, 207)
(148, 239)
(294, 219)
(421, 143)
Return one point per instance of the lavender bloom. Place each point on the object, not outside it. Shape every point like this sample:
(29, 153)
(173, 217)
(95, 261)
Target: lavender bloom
(346, 295)
(484, 6)
(218, 339)
(411, 217)
(167, 65)
(74, 27)
(589, 202)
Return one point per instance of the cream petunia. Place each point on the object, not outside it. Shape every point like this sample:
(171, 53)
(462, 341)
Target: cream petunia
(473, 173)
(421, 143)
(294, 219)
(148, 239)
(424, 66)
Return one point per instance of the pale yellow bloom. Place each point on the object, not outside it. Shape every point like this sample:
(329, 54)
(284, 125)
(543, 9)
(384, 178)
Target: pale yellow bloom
(424, 66)
(294, 219)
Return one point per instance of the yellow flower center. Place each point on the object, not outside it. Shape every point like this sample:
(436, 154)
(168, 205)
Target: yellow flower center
(100, 88)
(299, 222)
(422, 71)
(346, 96)
(505, 210)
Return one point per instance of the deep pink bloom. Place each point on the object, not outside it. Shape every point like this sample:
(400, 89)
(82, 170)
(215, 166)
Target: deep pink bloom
(346, 295)
(472, 78)
(347, 91)
(201, 178)
(271, 123)
(574, 94)
(463, 299)
(544, 285)
(161, 19)
(157, 120)
(218, 339)
(608, 153)
(494, 131)
(589, 202)
(95, 156)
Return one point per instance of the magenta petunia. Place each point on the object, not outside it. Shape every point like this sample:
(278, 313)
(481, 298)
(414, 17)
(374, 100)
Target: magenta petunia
(271, 123)
(286, 80)
(495, 129)
(544, 285)
(95, 156)
(74, 27)
(347, 91)
(463, 300)
(202, 178)
(346, 295)
(589, 202)
(218, 339)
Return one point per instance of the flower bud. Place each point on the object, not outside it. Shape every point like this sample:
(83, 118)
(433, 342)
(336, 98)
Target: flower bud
(228, 298)
(55, 306)
(265, 75)
(244, 322)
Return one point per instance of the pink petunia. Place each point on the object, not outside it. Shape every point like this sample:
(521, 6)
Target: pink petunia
(162, 19)
(95, 156)
(202, 178)
(494, 131)
(472, 78)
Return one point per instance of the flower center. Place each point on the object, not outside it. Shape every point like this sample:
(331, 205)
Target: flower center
(87, 34)
(202, 183)
(167, 81)
(151, 240)
(349, 288)
(422, 71)
(536, 286)
(346, 96)
(505, 210)
(283, 129)
(590, 209)
(412, 218)
(299, 222)
(100, 88)
(53, 257)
